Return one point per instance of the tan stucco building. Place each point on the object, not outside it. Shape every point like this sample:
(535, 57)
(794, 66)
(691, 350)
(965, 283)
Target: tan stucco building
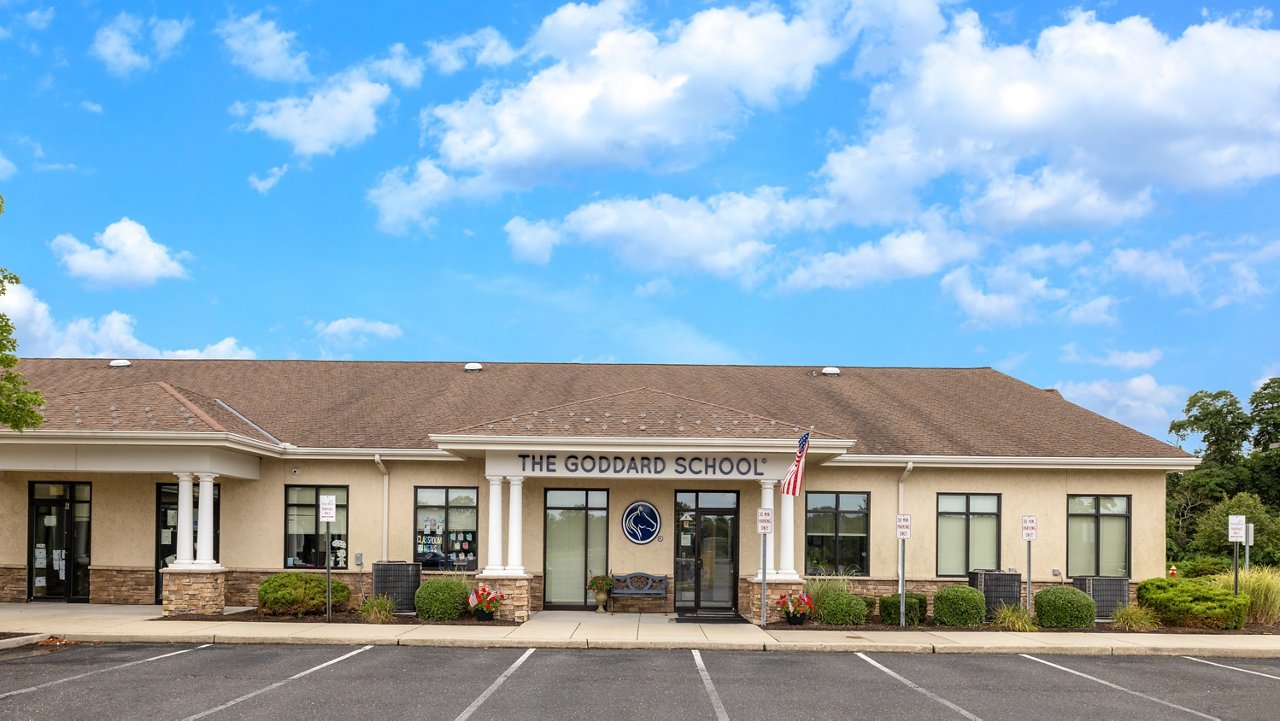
(538, 476)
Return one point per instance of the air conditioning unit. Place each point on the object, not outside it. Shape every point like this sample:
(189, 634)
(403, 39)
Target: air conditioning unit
(1108, 592)
(997, 587)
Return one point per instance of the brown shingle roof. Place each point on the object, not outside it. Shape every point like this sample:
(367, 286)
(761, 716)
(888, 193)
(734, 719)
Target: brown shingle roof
(365, 404)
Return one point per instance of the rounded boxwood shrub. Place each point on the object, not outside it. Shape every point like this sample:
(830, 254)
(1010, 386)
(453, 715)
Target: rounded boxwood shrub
(298, 594)
(916, 605)
(1065, 607)
(1193, 603)
(842, 609)
(441, 599)
(959, 605)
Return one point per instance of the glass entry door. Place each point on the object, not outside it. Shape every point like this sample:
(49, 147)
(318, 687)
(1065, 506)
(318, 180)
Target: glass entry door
(167, 526)
(577, 546)
(58, 551)
(706, 569)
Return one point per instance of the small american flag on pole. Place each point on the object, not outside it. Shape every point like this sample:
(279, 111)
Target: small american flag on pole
(795, 474)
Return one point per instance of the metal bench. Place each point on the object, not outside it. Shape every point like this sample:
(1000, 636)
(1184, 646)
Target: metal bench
(638, 585)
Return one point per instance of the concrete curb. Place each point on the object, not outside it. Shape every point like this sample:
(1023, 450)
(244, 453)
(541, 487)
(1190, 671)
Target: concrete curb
(20, 641)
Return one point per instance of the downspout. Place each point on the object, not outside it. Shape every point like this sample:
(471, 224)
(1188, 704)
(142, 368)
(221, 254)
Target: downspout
(902, 479)
(386, 501)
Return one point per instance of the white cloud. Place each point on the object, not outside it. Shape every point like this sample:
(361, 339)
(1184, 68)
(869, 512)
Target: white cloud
(1157, 268)
(264, 185)
(1053, 198)
(262, 48)
(118, 44)
(342, 112)
(355, 331)
(404, 201)
(1140, 402)
(656, 286)
(39, 334)
(126, 255)
(1128, 360)
(1268, 372)
(486, 45)
(1099, 311)
(7, 168)
(39, 19)
(532, 241)
(91, 106)
(1009, 298)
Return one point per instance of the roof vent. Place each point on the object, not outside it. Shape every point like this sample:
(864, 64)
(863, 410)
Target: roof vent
(119, 363)
(830, 371)
(473, 367)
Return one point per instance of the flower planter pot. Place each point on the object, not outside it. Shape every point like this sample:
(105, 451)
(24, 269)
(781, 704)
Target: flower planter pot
(797, 619)
(602, 597)
(482, 615)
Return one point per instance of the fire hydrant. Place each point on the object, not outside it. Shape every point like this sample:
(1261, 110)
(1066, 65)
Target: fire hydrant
(1173, 571)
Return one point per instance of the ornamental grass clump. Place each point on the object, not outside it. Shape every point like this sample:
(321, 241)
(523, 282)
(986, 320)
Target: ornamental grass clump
(1193, 603)
(378, 609)
(1262, 585)
(299, 594)
(1135, 618)
(959, 605)
(1064, 607)
(1012, 618)
(441, 599)
(916, 605)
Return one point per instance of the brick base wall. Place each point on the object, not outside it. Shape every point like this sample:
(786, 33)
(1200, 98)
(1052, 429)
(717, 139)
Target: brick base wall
(537, 586)
(515, 607)
(749, 598)
(13, 584)
(185, 591)
(633, 604)
(110, 584)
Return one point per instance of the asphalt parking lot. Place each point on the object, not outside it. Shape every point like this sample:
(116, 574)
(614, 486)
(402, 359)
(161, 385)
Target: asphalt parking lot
(125, 681)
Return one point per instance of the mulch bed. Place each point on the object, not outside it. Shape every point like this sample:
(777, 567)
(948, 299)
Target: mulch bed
(339, 616)
(1250, 629)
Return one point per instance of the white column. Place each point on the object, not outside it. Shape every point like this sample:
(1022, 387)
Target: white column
(515, 524)
(494, 543)
(766, 501)
(786, 525)
(204, 532)
(185, 555)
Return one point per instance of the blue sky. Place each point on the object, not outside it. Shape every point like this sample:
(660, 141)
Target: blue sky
(1084, 196)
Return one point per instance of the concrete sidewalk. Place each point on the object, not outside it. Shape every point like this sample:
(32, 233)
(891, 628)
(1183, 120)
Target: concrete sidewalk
(574, 629)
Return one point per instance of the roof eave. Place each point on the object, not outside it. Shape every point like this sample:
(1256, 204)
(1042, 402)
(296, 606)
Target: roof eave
(1056, 462)
(475, 446)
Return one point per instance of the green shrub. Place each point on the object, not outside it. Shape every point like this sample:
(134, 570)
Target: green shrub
(1064, 607)
(842, 609)
(1193, 603)
(819, 589)
(959, 605)
(441, 599)
(1012, 618)
(1197, 566)
(378, 609)
(1262, 585)
(1136, 618)
(916, 605)
(298, 594)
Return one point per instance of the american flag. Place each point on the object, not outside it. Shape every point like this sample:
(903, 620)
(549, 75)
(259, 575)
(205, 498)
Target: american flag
(473, 598)
(795, 474)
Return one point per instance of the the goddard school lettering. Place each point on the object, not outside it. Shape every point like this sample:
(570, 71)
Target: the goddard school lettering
(714, 466)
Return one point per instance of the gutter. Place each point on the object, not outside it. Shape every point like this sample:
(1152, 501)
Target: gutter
(386, 501)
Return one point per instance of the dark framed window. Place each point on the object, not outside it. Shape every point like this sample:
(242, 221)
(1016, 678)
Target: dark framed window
(836, 542)
(575, 544)
(968, 532)
(304, 534)
(445, 527)
(1098, 534)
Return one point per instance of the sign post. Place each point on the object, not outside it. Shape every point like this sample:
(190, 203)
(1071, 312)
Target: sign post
(328, 514)
(764, 526)
(903, 525)
(1236, 527)
(1029, 527)
(1248, 543)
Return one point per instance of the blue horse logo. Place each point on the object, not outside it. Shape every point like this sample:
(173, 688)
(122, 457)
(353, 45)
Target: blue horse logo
(641, 522)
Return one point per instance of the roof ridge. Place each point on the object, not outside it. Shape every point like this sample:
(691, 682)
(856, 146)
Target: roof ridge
(195, 409)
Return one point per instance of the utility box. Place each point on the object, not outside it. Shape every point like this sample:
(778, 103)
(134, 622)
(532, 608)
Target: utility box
(997, 587)
(1108, 592)
(399, 580)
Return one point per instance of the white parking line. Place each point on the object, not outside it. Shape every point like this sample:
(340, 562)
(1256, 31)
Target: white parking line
(101, 670)
(493, 687)
(921, 689)
(1233, 668)
(716, 703)
(1121, 688)
(277, 684)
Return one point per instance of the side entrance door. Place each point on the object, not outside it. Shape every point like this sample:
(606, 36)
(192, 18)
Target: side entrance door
(167, 527)
(58, 542)
(706, 567)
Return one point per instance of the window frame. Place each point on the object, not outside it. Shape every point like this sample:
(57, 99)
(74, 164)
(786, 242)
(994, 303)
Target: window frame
(472, 564)
(835, 525)
(318, 533)
(968, 515)
(1097, 516)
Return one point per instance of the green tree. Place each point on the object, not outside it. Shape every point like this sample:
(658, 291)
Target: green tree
(18, 404)
(1264, 411)
(1211, 532)
(1220, 421)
